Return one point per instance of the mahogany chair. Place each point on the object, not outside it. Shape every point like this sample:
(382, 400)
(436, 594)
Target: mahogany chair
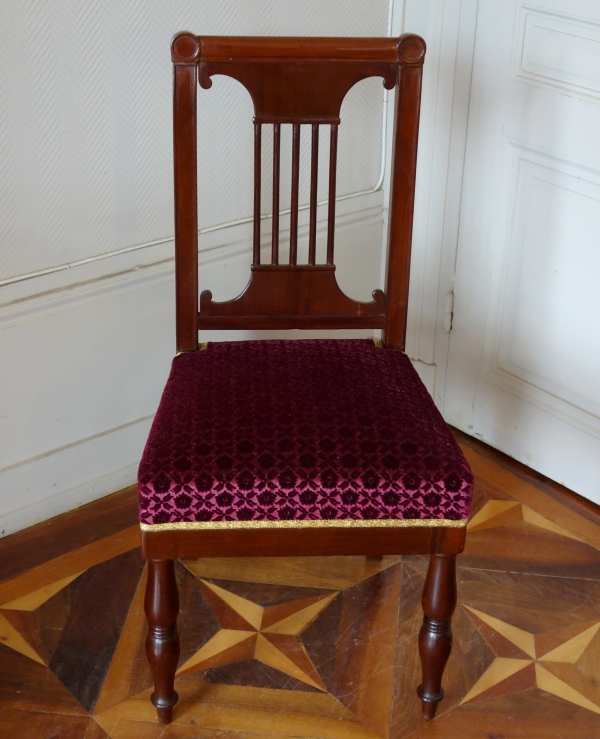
(299, 447)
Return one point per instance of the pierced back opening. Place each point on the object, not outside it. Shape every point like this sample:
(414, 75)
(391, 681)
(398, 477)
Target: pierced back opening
(299, 82)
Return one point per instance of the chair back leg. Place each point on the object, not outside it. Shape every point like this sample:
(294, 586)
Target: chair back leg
(435, 637)
(162, 643)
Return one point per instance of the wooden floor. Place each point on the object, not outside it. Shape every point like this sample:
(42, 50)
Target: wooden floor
(312, 647)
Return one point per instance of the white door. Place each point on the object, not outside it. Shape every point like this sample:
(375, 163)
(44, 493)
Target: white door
(524, 359)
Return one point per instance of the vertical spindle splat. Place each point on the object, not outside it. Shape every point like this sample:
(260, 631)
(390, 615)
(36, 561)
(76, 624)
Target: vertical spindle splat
(314, 178)
(331, 197)
(295, 191)
(257, 182)
(276, 169)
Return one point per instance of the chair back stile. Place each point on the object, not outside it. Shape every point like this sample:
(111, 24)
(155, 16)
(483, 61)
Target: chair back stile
(185, 154)
(296, 82)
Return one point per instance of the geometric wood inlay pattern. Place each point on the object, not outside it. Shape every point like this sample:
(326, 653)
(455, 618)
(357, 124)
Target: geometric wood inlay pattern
(309, 646)
(535, 665)
(251, 631)
(32, 601)
(12, 638)
(499, 512)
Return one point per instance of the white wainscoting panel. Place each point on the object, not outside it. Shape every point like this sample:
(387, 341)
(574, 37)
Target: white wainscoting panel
(85, 358)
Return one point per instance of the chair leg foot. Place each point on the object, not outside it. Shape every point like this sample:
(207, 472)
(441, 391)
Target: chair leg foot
(435, 637)
(164, 713)
(429, 703)
(162, 643)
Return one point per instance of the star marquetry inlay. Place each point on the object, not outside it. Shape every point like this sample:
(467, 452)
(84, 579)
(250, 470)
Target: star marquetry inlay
(500, 512)
(17, 622)
(268, 634)
(563, 662)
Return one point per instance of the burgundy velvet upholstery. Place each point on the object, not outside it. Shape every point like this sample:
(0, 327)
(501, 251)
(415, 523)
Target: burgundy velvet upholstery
(309, 430)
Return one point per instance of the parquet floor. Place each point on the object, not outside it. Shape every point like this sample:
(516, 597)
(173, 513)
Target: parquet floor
(309, 647)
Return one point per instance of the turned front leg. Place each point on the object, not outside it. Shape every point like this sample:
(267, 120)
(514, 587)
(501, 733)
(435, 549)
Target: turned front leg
(435, 638)
(162, 643)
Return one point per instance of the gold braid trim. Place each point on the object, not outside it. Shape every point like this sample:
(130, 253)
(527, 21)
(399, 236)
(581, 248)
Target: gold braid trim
(201, 347)
(314, 524)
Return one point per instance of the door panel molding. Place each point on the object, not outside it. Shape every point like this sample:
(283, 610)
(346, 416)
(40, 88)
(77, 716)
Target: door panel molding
(558, 51)
(508, 364)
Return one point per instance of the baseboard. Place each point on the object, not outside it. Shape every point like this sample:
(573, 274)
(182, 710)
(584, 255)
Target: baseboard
(68, 500)
(47, 482)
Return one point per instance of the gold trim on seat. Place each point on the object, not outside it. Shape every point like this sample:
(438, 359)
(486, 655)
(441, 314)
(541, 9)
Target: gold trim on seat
(320, 523)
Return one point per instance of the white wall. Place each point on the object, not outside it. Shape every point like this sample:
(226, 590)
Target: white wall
(86, 268)
(448, 27)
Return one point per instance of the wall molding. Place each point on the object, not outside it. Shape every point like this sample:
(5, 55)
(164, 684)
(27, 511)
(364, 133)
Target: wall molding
(124, 272)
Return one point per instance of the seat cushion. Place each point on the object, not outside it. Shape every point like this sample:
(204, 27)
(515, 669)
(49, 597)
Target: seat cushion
(299, 433)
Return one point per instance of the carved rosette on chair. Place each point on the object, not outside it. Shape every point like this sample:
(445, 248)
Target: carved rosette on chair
(298, 447)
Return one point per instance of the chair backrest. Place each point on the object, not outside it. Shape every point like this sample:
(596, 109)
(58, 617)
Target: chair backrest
(295, 81)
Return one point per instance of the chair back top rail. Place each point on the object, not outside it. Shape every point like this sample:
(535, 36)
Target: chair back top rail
(295, 80)
(186, 48)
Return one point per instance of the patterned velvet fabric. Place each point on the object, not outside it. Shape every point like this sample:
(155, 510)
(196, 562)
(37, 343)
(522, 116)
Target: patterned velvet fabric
(299, 431)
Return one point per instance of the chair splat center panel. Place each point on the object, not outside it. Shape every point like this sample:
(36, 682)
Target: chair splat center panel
(279, 293)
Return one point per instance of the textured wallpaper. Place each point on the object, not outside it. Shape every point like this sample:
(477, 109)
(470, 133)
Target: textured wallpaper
(85, 120)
